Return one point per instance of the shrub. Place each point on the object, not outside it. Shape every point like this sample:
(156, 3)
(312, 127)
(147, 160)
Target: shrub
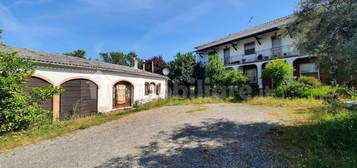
(319, 93)
(215, 71)
(235, 78)
(19, 110)
(311, 81)
(279, 71)
(291, 90)
(349, 93)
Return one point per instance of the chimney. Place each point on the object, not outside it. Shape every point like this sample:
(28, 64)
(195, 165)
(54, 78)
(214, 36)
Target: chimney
(136, 63)
(152, 67)
(144, 65)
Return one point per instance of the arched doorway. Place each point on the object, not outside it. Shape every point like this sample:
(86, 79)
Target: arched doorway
(123, 94)
(80, 99)
(36, 82)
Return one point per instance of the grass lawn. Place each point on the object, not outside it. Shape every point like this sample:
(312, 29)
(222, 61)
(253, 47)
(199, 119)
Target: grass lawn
(316, 137)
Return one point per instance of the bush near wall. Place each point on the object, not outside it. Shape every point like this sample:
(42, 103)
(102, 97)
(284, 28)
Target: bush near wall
(20, 110)
(304, 89)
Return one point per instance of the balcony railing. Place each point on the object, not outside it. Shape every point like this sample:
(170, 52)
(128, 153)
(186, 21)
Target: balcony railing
(262, 55)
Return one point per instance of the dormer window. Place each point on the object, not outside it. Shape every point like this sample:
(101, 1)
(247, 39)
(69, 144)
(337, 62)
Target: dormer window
(249, 48)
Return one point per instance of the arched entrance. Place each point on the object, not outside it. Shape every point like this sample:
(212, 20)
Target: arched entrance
(36, 82)
(123, 94)
(80, 99)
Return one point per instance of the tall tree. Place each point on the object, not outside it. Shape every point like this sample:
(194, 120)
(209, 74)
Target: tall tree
(119, 58)
(77, 53)
(326, 29)
(159, 64)
(183, 67)
(215, 71)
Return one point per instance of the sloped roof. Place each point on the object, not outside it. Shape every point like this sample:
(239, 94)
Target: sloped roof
(46, 58)
(246, 33)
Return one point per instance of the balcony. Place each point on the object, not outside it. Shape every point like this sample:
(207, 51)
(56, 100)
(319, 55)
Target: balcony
(262, 55)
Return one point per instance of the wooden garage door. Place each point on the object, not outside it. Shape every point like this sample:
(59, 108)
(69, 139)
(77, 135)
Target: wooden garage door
(79, 99)
(36, 83)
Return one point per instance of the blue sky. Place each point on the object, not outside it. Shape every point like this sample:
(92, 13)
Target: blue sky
(147, 27)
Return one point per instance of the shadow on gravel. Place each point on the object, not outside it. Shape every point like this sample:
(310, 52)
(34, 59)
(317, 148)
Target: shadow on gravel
(213, 144)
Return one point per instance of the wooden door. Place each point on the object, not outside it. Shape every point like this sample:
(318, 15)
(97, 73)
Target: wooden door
(122, 95)
(80, 98)
(35, 82)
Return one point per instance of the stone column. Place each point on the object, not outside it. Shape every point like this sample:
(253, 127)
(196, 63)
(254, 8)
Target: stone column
(260, 75)
(56, 107)
(291, 63)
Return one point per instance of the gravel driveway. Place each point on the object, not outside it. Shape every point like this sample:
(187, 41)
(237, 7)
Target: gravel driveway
(197, 136)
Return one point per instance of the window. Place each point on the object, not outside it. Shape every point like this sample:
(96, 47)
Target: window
(152, 87)
(158, 89)
(147, 88)
(252, 75)
(227, 56)
(309, 69)
(249, 48)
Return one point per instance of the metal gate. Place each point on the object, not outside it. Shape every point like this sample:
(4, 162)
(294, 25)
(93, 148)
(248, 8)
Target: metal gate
(79, 99)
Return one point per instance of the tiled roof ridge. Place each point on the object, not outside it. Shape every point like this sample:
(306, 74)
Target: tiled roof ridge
(75, 62)
(247, 30)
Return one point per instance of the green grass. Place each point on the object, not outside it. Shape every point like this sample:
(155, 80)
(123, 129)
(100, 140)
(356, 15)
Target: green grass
(317, 137)
(199, 109)
(289, 103)
(12, 140)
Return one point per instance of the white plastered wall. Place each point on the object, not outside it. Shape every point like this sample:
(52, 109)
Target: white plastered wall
(105, 81)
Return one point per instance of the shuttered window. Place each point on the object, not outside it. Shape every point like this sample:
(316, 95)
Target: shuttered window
(252, 75)
(309, 69)
(249, 48)
(158, 89)
(147, 88)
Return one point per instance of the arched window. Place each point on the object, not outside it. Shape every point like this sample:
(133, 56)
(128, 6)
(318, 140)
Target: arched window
(152, 88)
(158, 89)
(147, 88)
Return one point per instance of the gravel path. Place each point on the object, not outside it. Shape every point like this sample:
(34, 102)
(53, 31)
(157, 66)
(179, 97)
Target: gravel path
(224, 135)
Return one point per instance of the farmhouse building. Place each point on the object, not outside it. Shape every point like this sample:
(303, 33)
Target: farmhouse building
(90, 87)
(251, 50)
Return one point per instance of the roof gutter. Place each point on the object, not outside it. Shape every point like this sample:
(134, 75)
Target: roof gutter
(237, 39)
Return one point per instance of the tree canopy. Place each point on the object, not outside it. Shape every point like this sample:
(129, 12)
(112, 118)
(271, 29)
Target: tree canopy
(159, 64)
(328, 29)
(119, 58)
(215, 71)
(279, 71)
(77, 53)
(183, 67)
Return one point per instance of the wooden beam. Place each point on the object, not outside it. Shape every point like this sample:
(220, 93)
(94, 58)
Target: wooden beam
(200, 54)
(258, 40)
(234, 46)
